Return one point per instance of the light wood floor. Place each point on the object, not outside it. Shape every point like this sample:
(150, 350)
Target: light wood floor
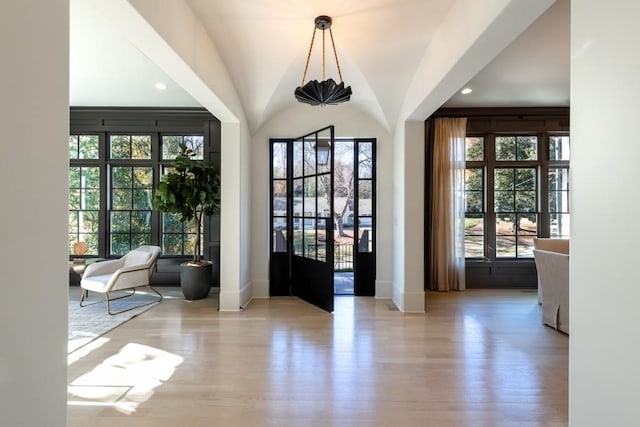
(476, 358)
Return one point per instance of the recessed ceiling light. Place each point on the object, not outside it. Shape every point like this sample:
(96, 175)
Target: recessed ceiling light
(466, 91)
(161, 86)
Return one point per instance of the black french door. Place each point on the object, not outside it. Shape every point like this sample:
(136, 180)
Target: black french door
(364, 217)
(302, 229)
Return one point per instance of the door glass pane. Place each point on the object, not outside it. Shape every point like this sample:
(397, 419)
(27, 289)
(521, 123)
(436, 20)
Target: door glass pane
(298, 197)
(325, 136)
(297, 236)
(279, 235)
(279, 160)
(298, 160)
(365, 197)
(310, 196)
(309, 156)
(365, 160)
(324, 189)
(321, 242)
(365, 234)
(279, 197)
(309, 238)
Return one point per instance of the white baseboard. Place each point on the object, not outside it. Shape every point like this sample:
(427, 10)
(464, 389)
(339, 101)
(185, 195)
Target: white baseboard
(235, 299)
(246, 294)
(384, 289)
(261, 289)
(409, 302)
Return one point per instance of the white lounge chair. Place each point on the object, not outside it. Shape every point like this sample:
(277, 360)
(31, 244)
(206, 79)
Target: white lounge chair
(127, 273)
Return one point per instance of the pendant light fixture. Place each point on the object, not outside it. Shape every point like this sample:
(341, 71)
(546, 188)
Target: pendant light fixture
(327, 91)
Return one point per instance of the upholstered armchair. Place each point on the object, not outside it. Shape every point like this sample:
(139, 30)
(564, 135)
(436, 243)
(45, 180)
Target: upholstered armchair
(551, 245)
(553, 272)
(131, 271)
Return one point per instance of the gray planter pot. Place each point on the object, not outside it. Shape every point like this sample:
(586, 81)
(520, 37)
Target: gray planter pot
(195, 280)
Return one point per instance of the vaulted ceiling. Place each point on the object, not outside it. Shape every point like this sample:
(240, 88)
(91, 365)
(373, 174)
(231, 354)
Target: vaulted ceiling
(264, 45)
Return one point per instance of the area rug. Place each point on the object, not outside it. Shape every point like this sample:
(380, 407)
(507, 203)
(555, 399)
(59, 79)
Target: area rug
(90, 322)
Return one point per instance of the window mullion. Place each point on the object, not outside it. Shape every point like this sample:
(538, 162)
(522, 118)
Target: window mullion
(490, 224)
(544, 217)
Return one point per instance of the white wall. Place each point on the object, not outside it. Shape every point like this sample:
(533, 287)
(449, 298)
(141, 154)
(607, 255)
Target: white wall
(297, 121)
(604, 349)
(34, 132)
(173, 37)
(408, 223)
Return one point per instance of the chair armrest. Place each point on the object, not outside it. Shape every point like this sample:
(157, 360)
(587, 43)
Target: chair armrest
(127, 277)
(133, 268)
(103, 267)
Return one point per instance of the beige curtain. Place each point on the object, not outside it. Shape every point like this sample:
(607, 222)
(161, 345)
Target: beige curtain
(446, 264)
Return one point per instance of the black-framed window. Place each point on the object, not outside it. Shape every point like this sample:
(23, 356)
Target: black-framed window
(84, 194)
(365, 190)
(130, 208)
(178, 238)
(112, 175)
(279, 161)
(84, 209)
(516, 189)
(124, 193)
(558, 186)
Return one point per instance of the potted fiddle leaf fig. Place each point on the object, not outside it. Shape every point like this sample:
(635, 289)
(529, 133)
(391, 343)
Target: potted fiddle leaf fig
(191, 189)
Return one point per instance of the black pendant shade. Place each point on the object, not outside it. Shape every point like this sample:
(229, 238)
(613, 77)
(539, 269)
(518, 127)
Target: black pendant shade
(326, 92)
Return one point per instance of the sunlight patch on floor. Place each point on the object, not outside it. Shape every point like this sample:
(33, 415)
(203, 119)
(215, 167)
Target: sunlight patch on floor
(124, 380)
